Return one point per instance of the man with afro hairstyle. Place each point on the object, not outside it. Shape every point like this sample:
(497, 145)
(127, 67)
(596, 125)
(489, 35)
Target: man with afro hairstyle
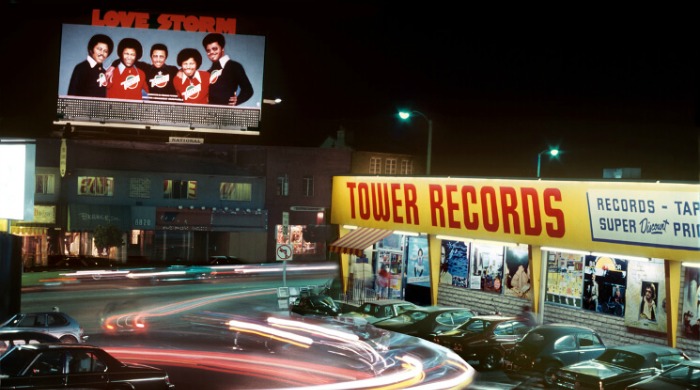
(89, 77)
(128, 81)
(192, 84)
(229, 83)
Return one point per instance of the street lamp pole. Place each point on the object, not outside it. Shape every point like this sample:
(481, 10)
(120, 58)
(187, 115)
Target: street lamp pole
(551, 152)
(405, 115)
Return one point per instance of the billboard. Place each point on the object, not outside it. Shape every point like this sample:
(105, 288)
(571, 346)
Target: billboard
(17, 168)
(115, 76)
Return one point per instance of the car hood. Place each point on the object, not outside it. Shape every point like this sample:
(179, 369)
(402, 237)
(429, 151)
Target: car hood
(366, 317)
(595, 369)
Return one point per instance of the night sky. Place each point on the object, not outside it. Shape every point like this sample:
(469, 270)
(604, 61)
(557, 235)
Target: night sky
(613, 88)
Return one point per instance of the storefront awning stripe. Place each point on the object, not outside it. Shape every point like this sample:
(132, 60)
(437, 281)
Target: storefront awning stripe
(358, 240)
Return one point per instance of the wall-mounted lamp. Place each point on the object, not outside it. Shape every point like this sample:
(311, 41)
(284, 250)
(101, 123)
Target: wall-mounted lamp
(191, 207)
(179, 207)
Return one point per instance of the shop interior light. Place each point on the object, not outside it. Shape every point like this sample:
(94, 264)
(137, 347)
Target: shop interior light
(452, 238)
(412, 234)
(564, 250)
(349, 227)
(497, 243)
(691, 264)
(623, 257)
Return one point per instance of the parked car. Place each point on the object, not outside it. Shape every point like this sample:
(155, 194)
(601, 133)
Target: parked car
(10, 338)
(683, 376)
(79, 262)
(74, 366)
(225, 260)
(319, 305)
(546, 348)
(485, 339)
(426, 321)
(620, 366)
(378, 310)
(55, 323)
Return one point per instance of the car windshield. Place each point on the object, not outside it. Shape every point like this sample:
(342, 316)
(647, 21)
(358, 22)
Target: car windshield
(683, 373)
(12, 362)
(622, 359)
(532, 338)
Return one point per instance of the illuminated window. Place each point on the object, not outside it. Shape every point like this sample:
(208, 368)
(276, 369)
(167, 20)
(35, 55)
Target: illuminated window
(375, 165)
(390, 166)
(236, 191)
(406, 167)
(180, 189)
(282, 185)
(139, 187)
(44, 184)
(308, 186)
(95, 186)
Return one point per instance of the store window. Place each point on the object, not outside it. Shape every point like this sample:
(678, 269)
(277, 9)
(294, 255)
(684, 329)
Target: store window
(282, 185)
(180, 189)
(390, 166)
(375, 165)
(406, 167)
(139, 187)
(44, 184)
(308, 185)
(236, 191)
(95, 186)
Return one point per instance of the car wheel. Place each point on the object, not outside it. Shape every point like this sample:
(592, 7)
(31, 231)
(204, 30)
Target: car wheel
(491, 360)
(68, 339)
(550, 374)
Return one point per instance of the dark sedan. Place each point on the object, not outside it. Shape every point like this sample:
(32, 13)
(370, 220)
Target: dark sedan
(426, 321)
(683, 376)
(49, 366)
(318, 305)
(484, 339)
(546, 348)
(618, 367)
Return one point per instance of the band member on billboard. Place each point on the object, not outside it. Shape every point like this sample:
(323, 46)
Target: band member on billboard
(159, 75)
(89, 77)
(229, 83)
(193, 85)
(127, 81)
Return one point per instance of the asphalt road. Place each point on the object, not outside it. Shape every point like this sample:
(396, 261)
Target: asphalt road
(248, 296)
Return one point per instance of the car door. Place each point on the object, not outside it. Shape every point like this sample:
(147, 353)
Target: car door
(507, 333)
(47, 371)
(86, 370)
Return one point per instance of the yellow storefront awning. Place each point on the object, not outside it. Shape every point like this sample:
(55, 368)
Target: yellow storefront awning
(358, 240)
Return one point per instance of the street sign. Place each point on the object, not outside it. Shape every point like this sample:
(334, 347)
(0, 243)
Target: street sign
(284, 252)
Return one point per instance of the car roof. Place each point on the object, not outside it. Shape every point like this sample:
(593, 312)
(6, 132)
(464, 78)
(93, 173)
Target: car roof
(493, 317)
(17, 334)
(46, 347)
(433, 309)
(385, 302)
(560, 329)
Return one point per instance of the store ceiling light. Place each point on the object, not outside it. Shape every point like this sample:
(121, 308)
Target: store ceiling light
(622, 257)
(452, 238)
(497, 243)
(349, 227)
(412, 234)
(564, 250)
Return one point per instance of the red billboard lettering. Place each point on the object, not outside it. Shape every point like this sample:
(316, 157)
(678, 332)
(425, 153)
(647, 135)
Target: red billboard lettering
(120, 19)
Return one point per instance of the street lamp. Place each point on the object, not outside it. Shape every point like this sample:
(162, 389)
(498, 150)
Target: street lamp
(272, 102)
(552, 152)
(404, 115)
